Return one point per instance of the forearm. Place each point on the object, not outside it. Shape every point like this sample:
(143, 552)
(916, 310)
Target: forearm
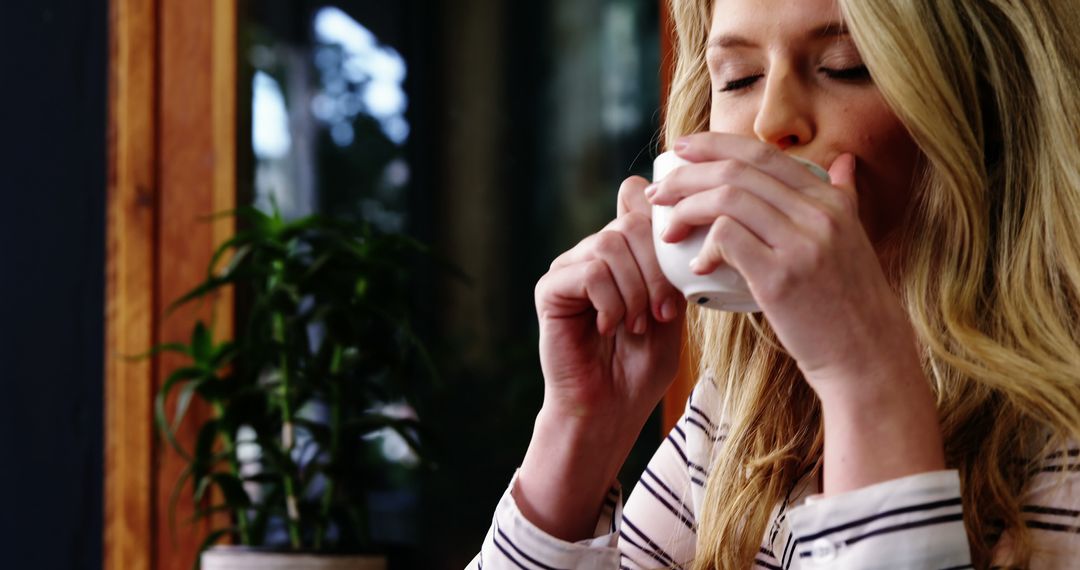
(567, 472)
(880, 427)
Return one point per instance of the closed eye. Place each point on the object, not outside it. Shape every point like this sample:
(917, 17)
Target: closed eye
(740, 84)
(857, 73)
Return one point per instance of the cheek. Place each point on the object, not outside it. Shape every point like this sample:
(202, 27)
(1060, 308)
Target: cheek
(733, 117)
(888, 159)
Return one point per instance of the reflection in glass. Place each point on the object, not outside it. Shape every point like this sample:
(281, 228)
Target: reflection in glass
(357, 75)
(328, 135)
(337, 85)
(499, 133)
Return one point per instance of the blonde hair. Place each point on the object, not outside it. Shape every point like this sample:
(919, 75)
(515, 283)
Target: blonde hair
(989, 267)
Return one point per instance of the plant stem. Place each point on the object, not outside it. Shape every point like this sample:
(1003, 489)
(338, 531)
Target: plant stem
(288, 439)
(335, 436)
(234, 465)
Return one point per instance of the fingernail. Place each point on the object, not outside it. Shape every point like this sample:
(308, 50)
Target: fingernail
(650, 191)
(639, 324)
(667, 310)
(682, 144)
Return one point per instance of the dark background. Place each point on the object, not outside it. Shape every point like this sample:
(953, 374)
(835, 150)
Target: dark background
(53, 63)
(53, 104)
(512, 163)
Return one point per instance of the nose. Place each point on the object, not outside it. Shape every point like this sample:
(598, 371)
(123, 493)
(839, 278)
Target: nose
(783, 119)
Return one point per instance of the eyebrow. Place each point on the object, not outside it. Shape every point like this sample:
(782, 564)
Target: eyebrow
(829, 30)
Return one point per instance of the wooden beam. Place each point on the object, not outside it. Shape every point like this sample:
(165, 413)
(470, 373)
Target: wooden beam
(130, 273)
(198, 178)
(223, 91)
(172, 163)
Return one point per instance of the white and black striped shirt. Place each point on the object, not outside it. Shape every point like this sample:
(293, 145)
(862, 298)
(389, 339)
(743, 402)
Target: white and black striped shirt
(911, 522)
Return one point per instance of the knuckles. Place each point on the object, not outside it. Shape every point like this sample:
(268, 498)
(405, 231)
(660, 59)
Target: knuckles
(726, 197)
(724, 227)
(636, 222)
(609, 242)
(824, 223)
(595, 271)
(730, 169)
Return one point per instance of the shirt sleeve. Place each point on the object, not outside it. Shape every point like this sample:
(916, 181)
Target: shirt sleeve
(1050, 508)
(910, 522)
(659, 524)
(513, 542)
(657, 530)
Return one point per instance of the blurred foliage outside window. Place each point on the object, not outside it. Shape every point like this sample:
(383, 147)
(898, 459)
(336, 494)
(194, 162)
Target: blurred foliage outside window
(497, 132)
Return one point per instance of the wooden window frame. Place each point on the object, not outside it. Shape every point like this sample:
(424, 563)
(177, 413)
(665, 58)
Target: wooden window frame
(172, 162)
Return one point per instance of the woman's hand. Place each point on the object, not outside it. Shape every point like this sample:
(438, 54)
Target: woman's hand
(808, 262)
(800, 246)
(610, 322)
(610, 335)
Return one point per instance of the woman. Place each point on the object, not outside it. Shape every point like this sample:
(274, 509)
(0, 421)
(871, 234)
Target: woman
(909, 394)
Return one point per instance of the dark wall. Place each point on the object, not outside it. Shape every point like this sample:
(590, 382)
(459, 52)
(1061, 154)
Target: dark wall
(53, 62)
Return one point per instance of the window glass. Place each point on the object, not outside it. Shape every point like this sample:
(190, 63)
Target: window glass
(497, 132)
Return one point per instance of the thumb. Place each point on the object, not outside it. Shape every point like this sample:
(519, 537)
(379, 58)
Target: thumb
(632, 196)
(842, 172)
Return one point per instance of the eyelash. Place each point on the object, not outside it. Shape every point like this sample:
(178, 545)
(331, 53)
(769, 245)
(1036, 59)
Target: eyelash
(857, 73)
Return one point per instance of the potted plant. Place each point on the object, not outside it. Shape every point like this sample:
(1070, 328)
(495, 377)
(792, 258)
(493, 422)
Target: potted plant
(323, 344)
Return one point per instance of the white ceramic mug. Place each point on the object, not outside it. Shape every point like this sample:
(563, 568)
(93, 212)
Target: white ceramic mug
(724, 289)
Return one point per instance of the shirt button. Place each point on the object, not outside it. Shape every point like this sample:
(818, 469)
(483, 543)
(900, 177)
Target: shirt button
(822, 550)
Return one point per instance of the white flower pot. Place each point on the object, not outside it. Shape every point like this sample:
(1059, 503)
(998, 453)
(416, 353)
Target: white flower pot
(244, 558)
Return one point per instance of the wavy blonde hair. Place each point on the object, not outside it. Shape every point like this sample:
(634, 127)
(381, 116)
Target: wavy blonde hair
(989, 267)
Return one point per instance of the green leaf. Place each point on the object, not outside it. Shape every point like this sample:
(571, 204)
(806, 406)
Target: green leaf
(174, 498)
(223, 354)
(231, 487)
(185, 374)
(241, 242)
(200, 291)
(203, 461)
(274, 495)
(183, 401)
(203, 512)
(202, 346)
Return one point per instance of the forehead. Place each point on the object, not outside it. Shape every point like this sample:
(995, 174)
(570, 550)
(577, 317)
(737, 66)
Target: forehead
(762, 19)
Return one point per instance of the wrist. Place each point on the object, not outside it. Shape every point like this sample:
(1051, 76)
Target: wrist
(872, 375)
(882, 428)
(570, 466)
(592, 429)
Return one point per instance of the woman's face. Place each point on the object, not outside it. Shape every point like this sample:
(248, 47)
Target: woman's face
(788, 74)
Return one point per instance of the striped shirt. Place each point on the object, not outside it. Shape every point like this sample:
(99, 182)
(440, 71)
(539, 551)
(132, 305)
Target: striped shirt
(911, 522)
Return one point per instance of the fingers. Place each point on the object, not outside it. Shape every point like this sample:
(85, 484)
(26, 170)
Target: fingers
(770, 225)
(612, 250)
(626, 245)
(730, 241)
(580, 287)
(713, 146)
(663, 296)
(691, 179)
(632, 196)
(842, 174)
